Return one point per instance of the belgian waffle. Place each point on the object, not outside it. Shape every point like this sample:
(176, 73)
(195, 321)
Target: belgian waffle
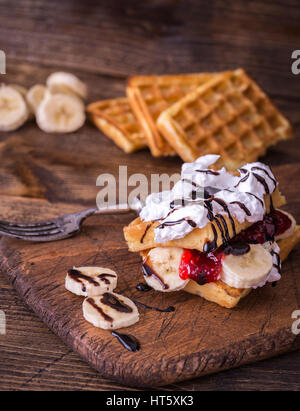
(115, 118)
(150, 95)
(140, 234)
(227, 115)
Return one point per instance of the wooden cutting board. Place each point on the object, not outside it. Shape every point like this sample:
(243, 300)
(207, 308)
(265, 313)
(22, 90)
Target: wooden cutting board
(197, 339)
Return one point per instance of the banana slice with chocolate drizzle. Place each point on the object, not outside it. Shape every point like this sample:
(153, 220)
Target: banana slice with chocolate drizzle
(110, 311)
(91, 281)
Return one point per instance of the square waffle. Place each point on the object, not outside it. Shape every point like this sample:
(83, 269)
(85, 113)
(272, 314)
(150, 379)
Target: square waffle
(228, 115)
(140, 235)
(115, 118)
(150, 95)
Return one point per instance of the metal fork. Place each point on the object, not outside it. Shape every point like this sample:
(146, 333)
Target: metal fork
(59, 228)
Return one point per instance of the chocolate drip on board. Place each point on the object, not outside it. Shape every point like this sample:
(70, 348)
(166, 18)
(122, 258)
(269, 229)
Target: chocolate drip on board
(143, 287)
(162, 310)
(128, 341)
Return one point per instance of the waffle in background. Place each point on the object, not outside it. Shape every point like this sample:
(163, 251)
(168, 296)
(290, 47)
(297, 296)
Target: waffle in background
(117, 121)
(228, 115)
(150, 95)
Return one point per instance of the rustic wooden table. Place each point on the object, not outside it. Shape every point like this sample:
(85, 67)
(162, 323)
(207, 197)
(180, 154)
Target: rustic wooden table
(104, 42)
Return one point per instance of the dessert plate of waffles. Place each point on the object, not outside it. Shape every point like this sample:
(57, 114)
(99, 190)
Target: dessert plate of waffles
(191, 115)
(186, 287)
(216, 234)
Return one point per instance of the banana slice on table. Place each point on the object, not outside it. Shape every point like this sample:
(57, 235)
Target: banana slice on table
(22, 90)
(13, 109)
(110, 311)
(62, 82)
(290, 230)
(247, 270)
(91, 281)
(161, 269)
(35, 96)
(60, 113)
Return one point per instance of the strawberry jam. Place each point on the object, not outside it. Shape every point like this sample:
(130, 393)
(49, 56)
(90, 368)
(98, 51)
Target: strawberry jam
(206, 267)
(200, 267)
(282, 222)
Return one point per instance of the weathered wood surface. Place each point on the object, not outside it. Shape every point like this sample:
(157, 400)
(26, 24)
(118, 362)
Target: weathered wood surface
(103, 42)
(197, 339)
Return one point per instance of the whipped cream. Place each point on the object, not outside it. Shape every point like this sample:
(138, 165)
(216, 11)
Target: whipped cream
(184, 207)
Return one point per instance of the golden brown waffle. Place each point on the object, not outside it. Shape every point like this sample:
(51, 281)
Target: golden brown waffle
(229, 297)
(150, 95)
(140, 234)
(228, 115)
(115, 118)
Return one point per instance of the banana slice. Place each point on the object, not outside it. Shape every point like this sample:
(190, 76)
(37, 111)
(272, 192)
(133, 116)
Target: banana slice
(13, 109)
(161, 269)
(91, 281)
(110, 311)
(247, 270)
(22, 90)
(290, 230)
(60, 113)
(35, 96)
(62, 82)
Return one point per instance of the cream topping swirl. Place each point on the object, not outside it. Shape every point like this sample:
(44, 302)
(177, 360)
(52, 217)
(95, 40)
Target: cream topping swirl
(184, 207)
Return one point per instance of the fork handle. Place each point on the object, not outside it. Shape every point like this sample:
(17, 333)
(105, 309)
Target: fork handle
(116, 209)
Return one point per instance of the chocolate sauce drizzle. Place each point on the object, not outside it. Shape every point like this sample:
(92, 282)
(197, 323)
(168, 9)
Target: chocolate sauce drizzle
(161, 310)
(113, 302)
(257, 198)
(212, 172)
(145, 232)
(78, 276)
(171, 223)
(103, 277)
(277, 265)
(243, 180)
(128, 341)
(143, 287)
(99, 309)
(242, 206)
(211, 245)
(267, 173)
(263, 182)
(148, 272)
(226, 209)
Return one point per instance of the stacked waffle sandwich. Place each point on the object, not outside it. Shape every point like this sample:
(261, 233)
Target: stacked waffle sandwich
(216, 234)
(192, 115)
